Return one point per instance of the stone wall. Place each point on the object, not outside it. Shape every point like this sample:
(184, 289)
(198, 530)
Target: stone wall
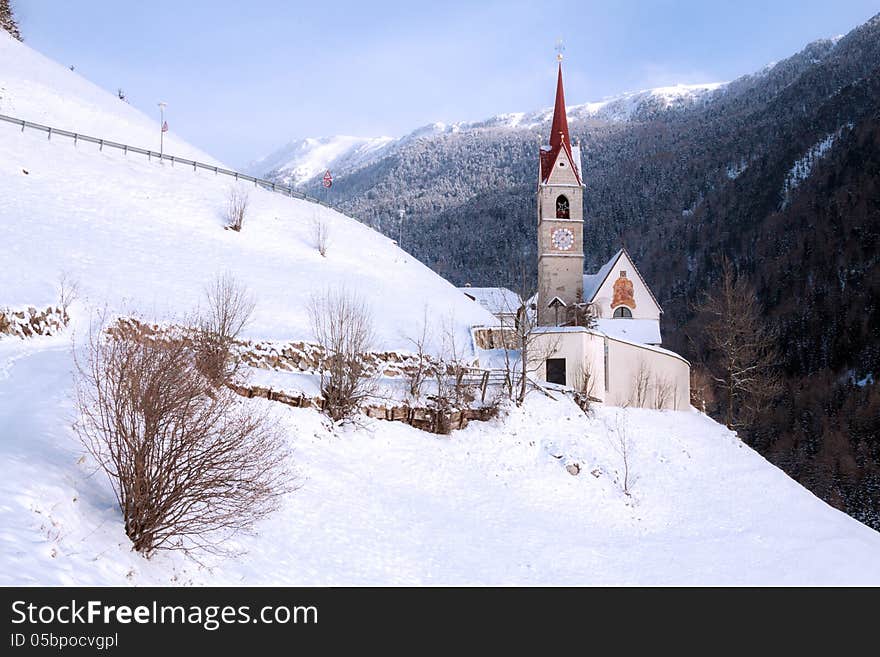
(31, 322)
(425, 419)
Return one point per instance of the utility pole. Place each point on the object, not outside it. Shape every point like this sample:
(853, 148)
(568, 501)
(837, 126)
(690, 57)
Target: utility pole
(400, 228)
(161, 129)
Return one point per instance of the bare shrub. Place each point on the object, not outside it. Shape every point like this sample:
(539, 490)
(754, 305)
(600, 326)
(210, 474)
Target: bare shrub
(236, 208)
(190, 464)
(229, 309)
(320, 234)
(68, 292)
(622, 444)
(664, 394)
(417, 376)
(454, 386)
(584, 384)
(343, 324)
(639, 395)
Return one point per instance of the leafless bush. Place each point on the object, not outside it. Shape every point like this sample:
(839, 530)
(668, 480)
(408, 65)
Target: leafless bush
(68, 292)
(621, 443)
(639, 395)
(190, 464)
(454, 387)
(416, 377)
(584, 384)
(229, 309)
(343, 324)
(320, 234)
(236, 208)
(664, 393)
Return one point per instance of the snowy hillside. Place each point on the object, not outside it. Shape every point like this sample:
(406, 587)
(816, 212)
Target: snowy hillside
(146, 236)
(533, 497)
(302, 160)
(387, 504)
(39, 90)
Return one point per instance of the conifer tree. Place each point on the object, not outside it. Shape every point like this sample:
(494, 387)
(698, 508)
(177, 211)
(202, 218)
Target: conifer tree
(7, 19)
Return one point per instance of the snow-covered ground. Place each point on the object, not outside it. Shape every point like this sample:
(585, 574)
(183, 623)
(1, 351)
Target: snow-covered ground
(387, 504)
(148, 236)
(379, 503)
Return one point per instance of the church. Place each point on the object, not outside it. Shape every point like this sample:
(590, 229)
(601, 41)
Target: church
(598, 333)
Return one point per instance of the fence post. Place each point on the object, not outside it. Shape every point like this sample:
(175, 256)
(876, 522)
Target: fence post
(125, 150)
(484, 385)
(101, 147)
(74, 139)
(50, 134)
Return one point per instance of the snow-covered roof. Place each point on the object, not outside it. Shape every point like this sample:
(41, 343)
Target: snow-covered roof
(497, 300)
(592, 282)
(644, 331)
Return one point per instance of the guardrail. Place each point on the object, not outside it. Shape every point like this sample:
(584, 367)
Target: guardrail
(127, 148)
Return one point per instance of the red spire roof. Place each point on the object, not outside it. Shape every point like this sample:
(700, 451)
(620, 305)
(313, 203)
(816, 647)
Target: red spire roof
(559, 128)
(559, 139)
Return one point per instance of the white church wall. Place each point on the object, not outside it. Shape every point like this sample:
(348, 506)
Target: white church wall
(621, 373)
(638, 375)
(645, 306)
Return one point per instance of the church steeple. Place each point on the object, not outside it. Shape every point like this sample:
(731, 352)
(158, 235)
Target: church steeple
(560, 221)
(559, 137)
(559, 127)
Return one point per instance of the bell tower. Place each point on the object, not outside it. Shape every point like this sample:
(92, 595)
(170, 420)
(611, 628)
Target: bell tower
(560, 220)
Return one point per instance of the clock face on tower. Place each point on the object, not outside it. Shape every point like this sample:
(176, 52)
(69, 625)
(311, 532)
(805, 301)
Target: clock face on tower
(563, 239)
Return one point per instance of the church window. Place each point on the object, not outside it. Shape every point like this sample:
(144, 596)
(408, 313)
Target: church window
(562, 211)
(622, 312)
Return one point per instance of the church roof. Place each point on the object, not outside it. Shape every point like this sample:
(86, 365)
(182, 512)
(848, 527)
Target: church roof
(592, 282)
(644, 331)
(497, 300)
(559, 137)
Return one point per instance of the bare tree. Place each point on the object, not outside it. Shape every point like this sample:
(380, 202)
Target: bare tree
(641, 386)
(190, 464)
(454, 386)
(417, 376)
(68, 292)
(584, 385)
(229, 309)
(622, 444)
(320, 234)
(664, 393)
(343, 324)
(529, 341)
(236, 207)
(742, 348)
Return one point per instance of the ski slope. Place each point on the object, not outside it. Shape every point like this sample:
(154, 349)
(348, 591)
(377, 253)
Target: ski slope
(380, 502)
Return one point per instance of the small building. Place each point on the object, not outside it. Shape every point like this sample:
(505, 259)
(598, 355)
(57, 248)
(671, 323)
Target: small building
(501, 302)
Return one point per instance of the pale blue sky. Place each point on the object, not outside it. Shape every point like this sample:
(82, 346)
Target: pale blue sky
(241, 78)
